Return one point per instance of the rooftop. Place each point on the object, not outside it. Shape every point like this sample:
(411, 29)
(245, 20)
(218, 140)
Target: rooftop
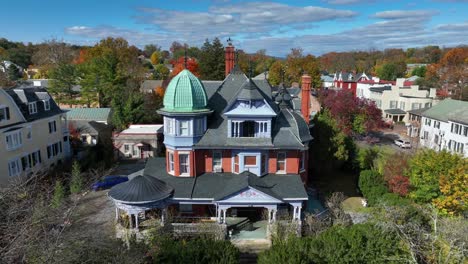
(449, 109)
(88, 114)
(143, 129)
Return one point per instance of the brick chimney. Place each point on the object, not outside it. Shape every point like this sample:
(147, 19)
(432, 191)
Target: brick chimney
(305, 97)
(229, 57)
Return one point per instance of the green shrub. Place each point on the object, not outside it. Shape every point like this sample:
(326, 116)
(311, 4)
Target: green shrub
(197, 251)
(365, 157)
(59, 194)
(76, 183)
(372, 186)
(361, 243)
(394, 199)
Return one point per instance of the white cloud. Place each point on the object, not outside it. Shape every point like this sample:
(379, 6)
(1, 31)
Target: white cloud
(405, 14)
(346, 2)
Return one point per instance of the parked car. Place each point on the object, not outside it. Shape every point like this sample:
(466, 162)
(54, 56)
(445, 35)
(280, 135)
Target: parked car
(108, 181)
(403, 143)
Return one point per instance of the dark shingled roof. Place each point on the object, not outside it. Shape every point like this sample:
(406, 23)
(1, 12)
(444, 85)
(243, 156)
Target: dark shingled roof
(26, 95)
(216, 186)
(287, 131)
(141, 189)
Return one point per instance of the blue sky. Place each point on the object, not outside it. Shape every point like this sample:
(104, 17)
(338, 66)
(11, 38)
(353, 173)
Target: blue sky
(277, 26)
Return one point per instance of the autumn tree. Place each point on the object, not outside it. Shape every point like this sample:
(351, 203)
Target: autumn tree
(161, 72)
(149, 49)
(52, 53)
(453, 70)
(179, 65)
(276, 72)
(419, 71)
(454, 190)
(391, 70)
(155, 58)
(425, 171)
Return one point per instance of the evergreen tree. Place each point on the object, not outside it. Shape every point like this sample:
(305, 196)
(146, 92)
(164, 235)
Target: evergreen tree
(212, 60)
(76, 184)
(59, 194)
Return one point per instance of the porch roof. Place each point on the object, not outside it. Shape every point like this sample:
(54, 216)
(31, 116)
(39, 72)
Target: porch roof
(216, 186)
(395, 111)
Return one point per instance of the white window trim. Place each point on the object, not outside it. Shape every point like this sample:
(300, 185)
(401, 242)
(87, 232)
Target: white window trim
(17, 160)
(20, 138)
(130, 148)
(179, 128)
(46, 104)
(54, 130)
(187, 174)
(4, 107)
(285, 163)
(169, 153)
(34, 108)
(220, 153)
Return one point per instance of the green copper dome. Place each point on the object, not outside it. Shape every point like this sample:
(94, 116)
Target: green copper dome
(185, 93)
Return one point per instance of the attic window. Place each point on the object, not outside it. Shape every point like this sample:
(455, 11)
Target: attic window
(4, 113)
(46, 104)
(32, 108)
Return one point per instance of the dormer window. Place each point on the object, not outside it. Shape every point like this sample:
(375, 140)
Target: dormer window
(4, 113)
(249, 128)
(46, 104)
(32, 108)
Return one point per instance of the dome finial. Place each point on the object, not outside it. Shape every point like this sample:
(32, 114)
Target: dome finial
(185, 56)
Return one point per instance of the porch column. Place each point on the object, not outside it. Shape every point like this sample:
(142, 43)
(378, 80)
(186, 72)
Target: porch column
(130, 216)
(299, 213)
(274, 214)
(116, 214)
(295, 212)
(269, 215)
(163, 216)
(218, 215)
(224, 216)
(136, 221)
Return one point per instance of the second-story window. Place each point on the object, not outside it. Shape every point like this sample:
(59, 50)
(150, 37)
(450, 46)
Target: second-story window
(184, 127)
(281, 162)
(248, 129)
(184, 165)
(171, 161)
(302, 161)
(169, 125)
(217, 161)
(52, 127)
(236, 163)
(46, 104)
(32, 108)
(4, 113)
(14, 140)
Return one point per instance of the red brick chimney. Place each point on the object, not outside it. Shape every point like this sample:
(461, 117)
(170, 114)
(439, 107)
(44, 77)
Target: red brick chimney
(305, 97)
(229, 57)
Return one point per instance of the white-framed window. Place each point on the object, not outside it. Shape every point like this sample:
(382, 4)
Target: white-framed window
(428, 122)
(52, 127)
(436, 139)
(217, 160)
(127, 148)
(46, 104)
(14, 167)
(54, 150)
(169, 125)
(184, 128)
(184, 164)
(402, 105)
(32, 108)
(427, 105)
(36, 158)
(436, 124)
(415, 106)
(14, 140)
(170, 157)
(302, 161)
(26, 162)
(393, 104)
(4, 113)
(236, 163)
(250, 161)
(281, 162)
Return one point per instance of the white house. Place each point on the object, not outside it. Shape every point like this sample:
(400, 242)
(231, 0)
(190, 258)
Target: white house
(445, 126)
(139, 142)
(397, 99)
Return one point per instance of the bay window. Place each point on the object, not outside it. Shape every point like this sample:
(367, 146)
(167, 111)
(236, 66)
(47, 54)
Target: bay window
(281, 162)
(184, 165)
(184, 127)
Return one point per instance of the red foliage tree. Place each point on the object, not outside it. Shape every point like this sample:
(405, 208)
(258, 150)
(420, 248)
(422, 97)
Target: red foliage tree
(399, 185)
(179, 65)
(354, 115)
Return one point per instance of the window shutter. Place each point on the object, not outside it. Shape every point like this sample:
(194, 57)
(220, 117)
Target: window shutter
(39, 154)
(48, 151)
(7, 109)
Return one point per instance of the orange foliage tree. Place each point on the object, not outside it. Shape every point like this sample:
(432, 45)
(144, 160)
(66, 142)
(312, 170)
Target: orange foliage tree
(179, 65)
(160, 91)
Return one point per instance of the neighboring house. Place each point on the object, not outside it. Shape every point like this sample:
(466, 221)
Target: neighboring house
(445, 126)
(396, 100)
(90, 125)
(33, 131)
(139, 142)
(327, 81)
(4, 65)
(413, 124)
(231, 150)
(149, 86)
(363, 86)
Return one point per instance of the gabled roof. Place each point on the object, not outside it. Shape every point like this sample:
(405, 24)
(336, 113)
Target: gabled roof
(449, 110)
(249, 91)
(26, 95)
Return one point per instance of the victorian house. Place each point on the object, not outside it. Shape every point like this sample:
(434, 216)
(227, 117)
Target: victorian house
(231, 149)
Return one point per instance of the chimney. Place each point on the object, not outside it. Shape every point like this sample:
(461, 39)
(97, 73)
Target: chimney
(229, 57)
(305, 97)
